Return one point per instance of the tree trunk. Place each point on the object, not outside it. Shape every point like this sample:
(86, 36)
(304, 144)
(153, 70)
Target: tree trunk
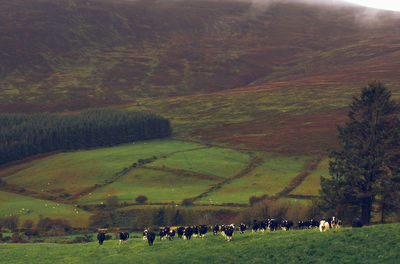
(366, 208)
(383, 212)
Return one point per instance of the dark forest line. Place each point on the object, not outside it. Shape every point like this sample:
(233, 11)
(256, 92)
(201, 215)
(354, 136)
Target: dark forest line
(23, 135)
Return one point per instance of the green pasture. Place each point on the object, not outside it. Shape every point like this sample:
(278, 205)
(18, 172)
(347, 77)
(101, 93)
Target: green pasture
(220, 162)
(371, 244)
(270, 178)
(74, 171)
(312, 184)
(157, 186)
(30, 208)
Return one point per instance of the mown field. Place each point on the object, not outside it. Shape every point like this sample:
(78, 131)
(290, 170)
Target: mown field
(371, 244)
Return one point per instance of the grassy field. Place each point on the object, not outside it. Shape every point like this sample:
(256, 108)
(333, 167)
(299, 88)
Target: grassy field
(312, 184)
(214, 161)
(75, 171)
(372, 244)
(157, 186)
(269, 178)
(181, 170)
(30, 208)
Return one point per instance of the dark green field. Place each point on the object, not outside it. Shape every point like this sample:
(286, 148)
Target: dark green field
(372, 244)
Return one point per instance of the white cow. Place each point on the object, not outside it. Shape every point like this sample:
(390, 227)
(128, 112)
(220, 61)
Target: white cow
(323, 226)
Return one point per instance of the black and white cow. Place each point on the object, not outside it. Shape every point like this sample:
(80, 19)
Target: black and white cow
(123, 237)
(171, 234)
(242, 228)
(223, 228)
(188, 233)
(203, 230)
(101, 237)
(263, 225)
(229, 232)
(195, 231)
(255, 226)
(180, 230)
(303, 224)
(145, 234)
(164, 233)
(151, 236)
(215, 229)
(286, 225)
(273, 224)
(336, 223)
(314, 224)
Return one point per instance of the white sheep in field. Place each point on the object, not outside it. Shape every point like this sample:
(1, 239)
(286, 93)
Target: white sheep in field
(323, 226)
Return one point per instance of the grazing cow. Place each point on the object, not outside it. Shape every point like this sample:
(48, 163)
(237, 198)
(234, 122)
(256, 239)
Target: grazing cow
(336, 223)
(223, 228)
(303, 224)
(101, 237)
(195, 231)
(150, 237)
(255, 226)
(263, 225)
(202, 230)
(171, 234)
(273, 224)
(357, 223)
(314, 224)
(215, 229)
(229, 232)
(123, 237)
(188, 233)
(242, 228)
(163, 233)
(324, 226)
(180, 231)
(145, 234)
(286, 225)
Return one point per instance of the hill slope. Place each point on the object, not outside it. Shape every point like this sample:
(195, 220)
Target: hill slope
(58, 55)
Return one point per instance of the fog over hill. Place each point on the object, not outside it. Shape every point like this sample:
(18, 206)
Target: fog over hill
(72, 54)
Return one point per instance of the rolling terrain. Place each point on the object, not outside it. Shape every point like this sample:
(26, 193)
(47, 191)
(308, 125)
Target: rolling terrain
(253, 92)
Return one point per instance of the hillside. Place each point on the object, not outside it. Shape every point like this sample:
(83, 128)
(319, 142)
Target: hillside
(63, 55)
(372, 244)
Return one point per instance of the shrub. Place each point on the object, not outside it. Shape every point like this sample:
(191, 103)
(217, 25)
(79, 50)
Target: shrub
(187, 202)
(141, 199)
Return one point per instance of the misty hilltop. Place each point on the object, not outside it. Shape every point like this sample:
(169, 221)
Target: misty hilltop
(71, 54)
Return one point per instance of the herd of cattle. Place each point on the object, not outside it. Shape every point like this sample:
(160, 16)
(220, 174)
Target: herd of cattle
(188, 232)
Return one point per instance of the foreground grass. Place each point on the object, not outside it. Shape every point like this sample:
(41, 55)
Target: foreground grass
(374, 244)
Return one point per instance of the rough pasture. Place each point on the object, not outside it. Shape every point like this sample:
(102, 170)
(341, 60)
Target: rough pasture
(372, 244)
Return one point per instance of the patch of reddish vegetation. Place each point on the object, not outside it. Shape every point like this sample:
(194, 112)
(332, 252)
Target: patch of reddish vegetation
(303, 134)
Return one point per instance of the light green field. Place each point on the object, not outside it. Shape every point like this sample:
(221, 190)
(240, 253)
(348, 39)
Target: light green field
(269, 178)
(213, 161)
(75, 171)
(312, 184)
(31, 208)
(371, 244)
(157, 186)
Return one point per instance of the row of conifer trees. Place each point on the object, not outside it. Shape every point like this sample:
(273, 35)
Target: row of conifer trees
(23, 135)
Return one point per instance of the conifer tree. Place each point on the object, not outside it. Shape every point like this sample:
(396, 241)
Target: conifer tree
(364, 170)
